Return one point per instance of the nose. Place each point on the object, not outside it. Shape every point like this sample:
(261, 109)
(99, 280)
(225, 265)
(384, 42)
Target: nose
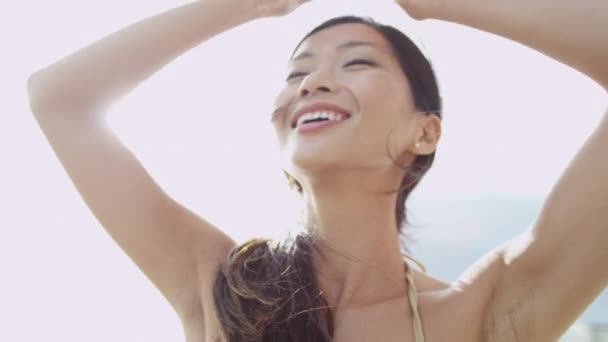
(316, 81)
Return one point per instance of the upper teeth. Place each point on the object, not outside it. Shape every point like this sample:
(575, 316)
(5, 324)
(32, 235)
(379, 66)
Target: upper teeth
(323, 114)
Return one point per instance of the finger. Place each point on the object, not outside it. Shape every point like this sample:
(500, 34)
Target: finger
(293, 4)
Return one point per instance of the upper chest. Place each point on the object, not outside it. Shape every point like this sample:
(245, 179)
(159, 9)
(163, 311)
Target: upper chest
(444, 318)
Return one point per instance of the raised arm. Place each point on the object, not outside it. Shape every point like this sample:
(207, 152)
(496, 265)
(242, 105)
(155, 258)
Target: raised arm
(538, 284)
(177, 250)
(572, 32)
(99, 74)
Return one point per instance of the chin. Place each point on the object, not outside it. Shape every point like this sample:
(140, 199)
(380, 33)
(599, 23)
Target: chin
(313, 159)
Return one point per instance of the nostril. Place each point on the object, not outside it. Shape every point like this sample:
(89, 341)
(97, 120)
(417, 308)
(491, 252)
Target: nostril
(305, 92)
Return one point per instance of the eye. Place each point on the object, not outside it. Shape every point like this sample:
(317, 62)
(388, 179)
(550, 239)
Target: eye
(360, 61)
(294, 75)
(353, 62)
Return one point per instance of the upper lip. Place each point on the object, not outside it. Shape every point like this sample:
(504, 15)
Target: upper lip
(317, 107)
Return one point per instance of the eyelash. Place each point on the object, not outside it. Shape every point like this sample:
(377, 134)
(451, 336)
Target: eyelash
(354, 61)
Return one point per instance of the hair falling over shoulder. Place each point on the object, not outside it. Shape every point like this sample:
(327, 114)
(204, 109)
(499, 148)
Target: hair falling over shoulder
(266, 291)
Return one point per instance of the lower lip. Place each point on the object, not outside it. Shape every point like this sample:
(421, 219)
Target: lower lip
(313, 126)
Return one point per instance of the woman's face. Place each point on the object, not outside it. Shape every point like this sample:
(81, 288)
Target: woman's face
(350, 66)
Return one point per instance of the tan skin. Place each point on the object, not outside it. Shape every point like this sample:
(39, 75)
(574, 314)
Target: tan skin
(342, 167)
(529, 289)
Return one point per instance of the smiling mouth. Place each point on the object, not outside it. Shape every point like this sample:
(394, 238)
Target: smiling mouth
(318, 117)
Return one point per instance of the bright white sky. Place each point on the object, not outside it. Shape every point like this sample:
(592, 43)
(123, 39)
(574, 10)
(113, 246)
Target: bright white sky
(513, 120)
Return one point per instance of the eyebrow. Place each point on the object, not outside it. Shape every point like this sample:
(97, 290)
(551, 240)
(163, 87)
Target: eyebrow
(348, 45)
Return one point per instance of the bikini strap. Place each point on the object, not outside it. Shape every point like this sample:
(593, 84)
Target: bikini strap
(413, 299)
(418, 263)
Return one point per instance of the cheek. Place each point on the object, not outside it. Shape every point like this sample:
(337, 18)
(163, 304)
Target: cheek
(283, 100)
(281, 107)
(381, 100)
(376, 86)
(280, 134)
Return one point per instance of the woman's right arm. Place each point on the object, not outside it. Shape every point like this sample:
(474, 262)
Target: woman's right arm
(99, 74)
(176, 249)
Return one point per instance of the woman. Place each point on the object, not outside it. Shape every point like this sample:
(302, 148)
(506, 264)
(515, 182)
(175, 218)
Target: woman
(358, 122)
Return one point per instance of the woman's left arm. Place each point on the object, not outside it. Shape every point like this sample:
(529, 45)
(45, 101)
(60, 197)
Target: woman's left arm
(572, 32)
(547, 277)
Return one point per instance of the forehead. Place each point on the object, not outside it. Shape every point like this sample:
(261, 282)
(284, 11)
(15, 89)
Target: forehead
(342, 37)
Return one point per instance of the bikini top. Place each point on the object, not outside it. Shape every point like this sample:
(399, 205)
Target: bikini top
(413, 299)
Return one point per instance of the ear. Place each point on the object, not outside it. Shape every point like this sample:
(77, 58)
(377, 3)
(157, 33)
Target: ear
(420, 135)
(427, 134)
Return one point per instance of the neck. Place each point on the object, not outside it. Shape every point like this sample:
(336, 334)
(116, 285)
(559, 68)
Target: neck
(358, 256)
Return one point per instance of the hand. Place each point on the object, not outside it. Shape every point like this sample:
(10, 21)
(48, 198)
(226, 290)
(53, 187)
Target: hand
(417, 9)
(277, 8)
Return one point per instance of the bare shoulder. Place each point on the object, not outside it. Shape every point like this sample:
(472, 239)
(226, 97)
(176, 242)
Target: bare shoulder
(463, 310)
(479, 285)
(425, 282)
(447, 312)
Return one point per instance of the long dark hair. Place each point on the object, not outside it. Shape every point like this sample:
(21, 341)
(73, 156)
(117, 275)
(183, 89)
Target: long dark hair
(266, 289)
